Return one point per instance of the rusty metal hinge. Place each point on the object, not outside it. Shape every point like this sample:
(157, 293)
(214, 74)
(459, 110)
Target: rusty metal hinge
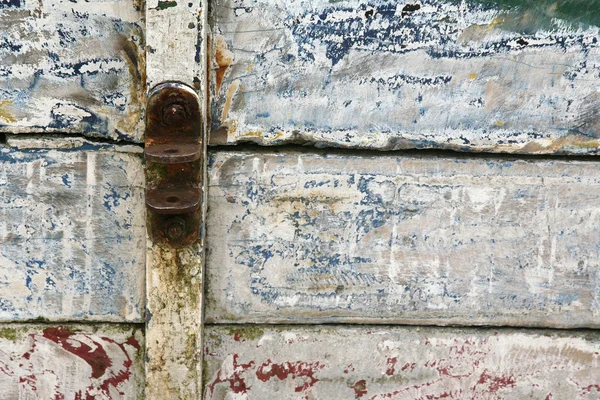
(174, 160)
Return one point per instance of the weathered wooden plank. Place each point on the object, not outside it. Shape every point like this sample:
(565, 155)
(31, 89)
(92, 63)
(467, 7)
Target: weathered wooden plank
(402, 239)
(473, 75)
(71, 362)
(72, 232)
(176, 33)
(332, 362)
(72, 67)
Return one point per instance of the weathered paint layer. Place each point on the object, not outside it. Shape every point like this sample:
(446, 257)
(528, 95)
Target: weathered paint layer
(302, 237)
(174, 322)
(71, 362)
(481, 75)
(72, 232)
(176, 32)
(72, 67)
(176, 38)
(332, 362)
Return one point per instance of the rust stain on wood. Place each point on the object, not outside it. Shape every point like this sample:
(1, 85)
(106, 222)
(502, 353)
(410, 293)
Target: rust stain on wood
(223, 59)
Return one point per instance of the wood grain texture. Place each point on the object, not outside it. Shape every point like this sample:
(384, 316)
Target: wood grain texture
(72, 67)
(176, 34)
(300, 237)
(71, 362)
(474, 75)
(333, 362)
(72, 232)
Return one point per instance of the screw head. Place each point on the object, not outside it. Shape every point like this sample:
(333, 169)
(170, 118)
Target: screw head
(174, 114)
(175, 228)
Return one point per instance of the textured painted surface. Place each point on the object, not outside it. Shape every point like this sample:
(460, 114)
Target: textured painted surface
(71, 362)
(176, 52)
(72, 232)
(176, 42)
(474, 75)
(72, 66)
(174, 322)
(329, 238)
(399, 363)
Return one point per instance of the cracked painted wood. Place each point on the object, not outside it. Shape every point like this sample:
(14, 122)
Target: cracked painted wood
(312, 238)
(334, 362)
(176, 35)
(72, 232)
(473, 75)
(72, 67)
(102, 362)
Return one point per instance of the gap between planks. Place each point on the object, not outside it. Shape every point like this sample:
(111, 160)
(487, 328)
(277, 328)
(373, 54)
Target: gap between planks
(249, 147)
(11, 140)
(296, 325)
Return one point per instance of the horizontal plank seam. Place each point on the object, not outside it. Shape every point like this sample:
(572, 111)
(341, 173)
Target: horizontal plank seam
(293, 325)
(424, 153)
(73, 322)
(5, 137)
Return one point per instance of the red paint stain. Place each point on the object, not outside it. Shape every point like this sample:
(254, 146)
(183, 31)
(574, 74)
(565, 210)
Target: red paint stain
(29, 380)
(237, 384)
(589, 388)
(237, 337)
(94, 355)
(360, 388)
(496, 383)
(132, 341)
(407, 366)
(549, 397)
(96, 358)
(391, 365)
(123, 375)
(297, 369)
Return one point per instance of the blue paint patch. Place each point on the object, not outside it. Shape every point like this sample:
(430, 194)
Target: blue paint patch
(315, 184)
(66, 182)
(377, 26)
(113, 198)
(12, 4)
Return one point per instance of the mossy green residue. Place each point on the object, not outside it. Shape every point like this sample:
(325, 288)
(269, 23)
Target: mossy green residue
(162, 5)
(528, 16)
(247, 332)
(12, 334)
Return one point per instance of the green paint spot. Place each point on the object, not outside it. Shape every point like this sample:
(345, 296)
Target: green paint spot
(162, 5)
(528, 16)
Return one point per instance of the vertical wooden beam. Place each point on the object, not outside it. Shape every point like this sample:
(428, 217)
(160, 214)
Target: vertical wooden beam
(176, 38)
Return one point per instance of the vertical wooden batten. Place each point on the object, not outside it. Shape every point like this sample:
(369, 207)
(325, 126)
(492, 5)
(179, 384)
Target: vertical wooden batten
(174, 276)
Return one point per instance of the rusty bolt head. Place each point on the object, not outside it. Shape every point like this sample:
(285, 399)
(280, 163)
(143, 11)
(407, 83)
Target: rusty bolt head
(175, 228)
(174, 114)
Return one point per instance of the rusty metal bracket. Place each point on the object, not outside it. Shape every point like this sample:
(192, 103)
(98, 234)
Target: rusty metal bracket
(174, 159)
